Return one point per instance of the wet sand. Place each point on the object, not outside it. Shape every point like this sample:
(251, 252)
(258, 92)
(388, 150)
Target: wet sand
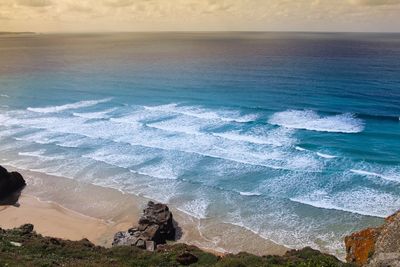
(73, 210)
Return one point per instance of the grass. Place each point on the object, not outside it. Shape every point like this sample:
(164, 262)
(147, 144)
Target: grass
(36, 250)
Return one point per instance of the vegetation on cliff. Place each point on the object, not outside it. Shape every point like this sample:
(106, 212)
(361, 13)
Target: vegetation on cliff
(23, 247)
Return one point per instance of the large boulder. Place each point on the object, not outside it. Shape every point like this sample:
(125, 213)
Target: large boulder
(156, 225)
(10, 183)
(376, 246)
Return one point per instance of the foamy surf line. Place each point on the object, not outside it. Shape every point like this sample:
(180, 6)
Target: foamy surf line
(310, 120)
(245, 193)
(326, 156)
(88, 131)
(94, 115)
(76, 105)
(394, 178)
(202, 113)
(328, 206)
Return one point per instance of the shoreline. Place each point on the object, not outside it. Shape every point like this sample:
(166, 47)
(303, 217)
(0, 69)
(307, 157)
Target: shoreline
(105, 211)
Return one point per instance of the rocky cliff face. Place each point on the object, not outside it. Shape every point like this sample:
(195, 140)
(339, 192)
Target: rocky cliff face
(155, 227)
(375, 247)
(10, 183)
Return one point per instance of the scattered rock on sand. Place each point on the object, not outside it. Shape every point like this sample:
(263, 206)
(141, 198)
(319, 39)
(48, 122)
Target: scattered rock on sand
(376, 246)
(155, 227)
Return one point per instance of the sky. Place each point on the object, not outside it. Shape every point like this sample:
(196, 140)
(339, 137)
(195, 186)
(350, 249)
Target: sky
(199, 15)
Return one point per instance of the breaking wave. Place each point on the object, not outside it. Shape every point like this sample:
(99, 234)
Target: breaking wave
(310, 120)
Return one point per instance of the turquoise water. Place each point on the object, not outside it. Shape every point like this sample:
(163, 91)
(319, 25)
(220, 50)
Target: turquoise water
(293, 136)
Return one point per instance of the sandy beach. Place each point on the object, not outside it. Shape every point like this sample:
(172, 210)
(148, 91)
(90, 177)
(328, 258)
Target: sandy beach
(51, 219)
(65, 208)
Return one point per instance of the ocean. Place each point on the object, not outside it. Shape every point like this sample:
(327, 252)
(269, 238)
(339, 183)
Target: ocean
(294, 136)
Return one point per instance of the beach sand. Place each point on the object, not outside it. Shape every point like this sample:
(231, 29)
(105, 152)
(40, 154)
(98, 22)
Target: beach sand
(65, 208)
(51, 219)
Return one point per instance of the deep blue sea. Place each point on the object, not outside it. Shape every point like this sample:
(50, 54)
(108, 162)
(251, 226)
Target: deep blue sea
(295, 136)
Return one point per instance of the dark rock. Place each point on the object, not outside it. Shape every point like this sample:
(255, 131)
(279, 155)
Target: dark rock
(26, 228)
(85, 242)
(376, 246)
(186, 258)
(11, 183)
(141, 244)
(155, 225)
(160, 215)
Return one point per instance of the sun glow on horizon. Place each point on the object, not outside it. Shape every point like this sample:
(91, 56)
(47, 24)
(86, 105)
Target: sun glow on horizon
(199, 15)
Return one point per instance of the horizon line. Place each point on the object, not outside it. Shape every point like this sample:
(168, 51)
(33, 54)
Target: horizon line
(200, 31)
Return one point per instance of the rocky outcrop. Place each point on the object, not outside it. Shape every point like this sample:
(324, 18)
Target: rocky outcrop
(376, 246)
(155, 227)
(10, 183)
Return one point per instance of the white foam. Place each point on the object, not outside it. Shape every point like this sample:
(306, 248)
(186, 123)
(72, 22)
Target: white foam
(277, 137)
(322, 155)
(242, 193)
(94, 115)
(202, 113)
(326, 156)
(39, 154)
(77, 105)
(120, 156)
(40, 137)
(362, 200)
(136, 134)
(391, 176)
(310, 120)
(4, 95)
(196, 208)
(140, 115)
(181, 124)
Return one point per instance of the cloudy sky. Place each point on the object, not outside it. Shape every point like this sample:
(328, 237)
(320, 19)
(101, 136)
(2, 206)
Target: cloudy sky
(199, 15)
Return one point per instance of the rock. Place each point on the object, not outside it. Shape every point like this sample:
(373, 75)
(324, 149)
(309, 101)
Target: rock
(86, 243)
(156, 225)
(141, 244)
(15, 244)
(361, 245)
(124, 239)
(26, 228)
(152, 233)
(376, 246)
(10, 183)
(133, 230)
(159, 214)
(186, 258)
(150, 246)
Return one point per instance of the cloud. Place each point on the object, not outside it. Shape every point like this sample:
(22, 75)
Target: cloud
(374, 2)
(35, 3)
(118, 3)
(3, 17)
(82, 8)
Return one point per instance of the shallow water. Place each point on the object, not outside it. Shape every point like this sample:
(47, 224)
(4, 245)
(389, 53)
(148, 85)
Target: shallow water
(295, 137)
